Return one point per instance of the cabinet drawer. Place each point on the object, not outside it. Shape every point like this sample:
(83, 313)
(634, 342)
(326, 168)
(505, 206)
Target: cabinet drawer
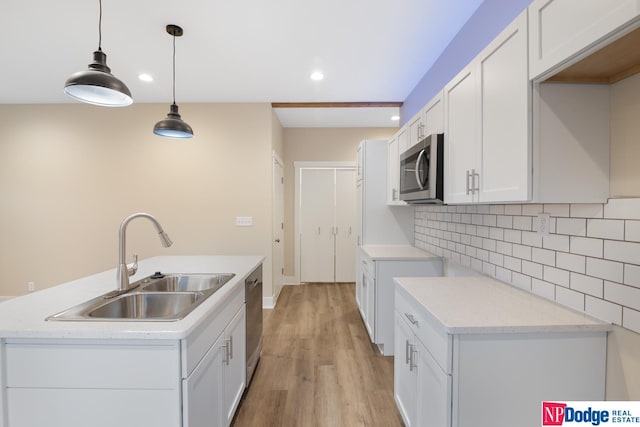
(368, 265)
(426, 329)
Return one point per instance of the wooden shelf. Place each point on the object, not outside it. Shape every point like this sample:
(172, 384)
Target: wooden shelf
(614, 62)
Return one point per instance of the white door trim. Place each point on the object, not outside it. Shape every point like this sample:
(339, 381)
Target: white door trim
(299, 165)
(276, 284)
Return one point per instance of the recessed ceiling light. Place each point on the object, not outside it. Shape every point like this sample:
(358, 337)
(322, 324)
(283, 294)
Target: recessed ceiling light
(395, 118)
(317, 76)
(145, 77)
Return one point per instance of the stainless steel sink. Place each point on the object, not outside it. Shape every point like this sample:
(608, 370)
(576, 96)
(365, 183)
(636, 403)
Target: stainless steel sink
(188, 283)
(155, 298)
(147, 305)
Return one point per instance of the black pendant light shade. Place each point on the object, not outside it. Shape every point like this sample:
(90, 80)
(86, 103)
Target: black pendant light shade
(173, 126)
(97, 85)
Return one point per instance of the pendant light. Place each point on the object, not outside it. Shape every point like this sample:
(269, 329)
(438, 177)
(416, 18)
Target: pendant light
(173, 126)
(97, 85)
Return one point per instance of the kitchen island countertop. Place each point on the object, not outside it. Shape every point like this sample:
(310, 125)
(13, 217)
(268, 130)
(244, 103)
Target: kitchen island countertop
(24, 317)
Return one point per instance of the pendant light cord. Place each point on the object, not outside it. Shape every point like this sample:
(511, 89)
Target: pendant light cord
(100, 27)
(174, 69)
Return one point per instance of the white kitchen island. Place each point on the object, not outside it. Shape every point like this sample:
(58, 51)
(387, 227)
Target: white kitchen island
(125, 373)
(471, 351)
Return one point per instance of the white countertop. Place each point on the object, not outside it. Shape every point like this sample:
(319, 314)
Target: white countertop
(397, 253)
(23, 317)
(476, 305)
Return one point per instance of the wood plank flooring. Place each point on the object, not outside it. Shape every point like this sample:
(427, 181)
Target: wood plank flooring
(318, 367)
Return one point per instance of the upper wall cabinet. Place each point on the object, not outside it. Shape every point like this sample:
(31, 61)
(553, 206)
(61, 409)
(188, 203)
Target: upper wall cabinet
(487, 133)
(562, 31)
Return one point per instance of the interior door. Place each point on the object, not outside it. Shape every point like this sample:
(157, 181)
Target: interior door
(345, 233)
(316, 225)
(278, 227)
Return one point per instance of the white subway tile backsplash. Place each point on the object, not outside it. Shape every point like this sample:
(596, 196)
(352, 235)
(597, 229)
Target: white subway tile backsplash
(590, 261)
(632, 231)
(602, 309)
(504, 221)
(513, 236)
(586, 210)
(521, 281)
(627, 296)
(556, 276)
(587, 284)
(557, 209)
(543, 256)
(571, 262)
(586, 246)
(543, 289)
(513, 209)
(523, 252)
(622, 209)
(570, 298)
(531, 239)
(513, 264)
(605, 228)
(532, 269)
(604, 269)
(632, 275)
(622, 251)
(571, 226)
(522, 223)
(556, 242)
(532, 210)
(631, 319)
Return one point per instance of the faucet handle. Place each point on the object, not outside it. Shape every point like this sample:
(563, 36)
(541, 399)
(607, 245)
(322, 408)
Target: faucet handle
(133, 268)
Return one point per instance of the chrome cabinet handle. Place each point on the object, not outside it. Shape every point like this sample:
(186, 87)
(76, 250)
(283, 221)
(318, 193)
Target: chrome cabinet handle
(225, 347)
(476, 188)
(230, 347)
(406, 352)
(411, 318)
(468, 176)
(412, 358)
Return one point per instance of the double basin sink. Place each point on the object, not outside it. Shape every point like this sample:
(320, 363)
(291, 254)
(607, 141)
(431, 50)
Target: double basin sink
(161, 297)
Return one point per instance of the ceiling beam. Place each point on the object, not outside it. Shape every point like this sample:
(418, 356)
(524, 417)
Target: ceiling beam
(336, 104)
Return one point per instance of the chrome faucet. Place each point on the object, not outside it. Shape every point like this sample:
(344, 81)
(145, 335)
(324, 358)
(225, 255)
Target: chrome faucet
(124, 270)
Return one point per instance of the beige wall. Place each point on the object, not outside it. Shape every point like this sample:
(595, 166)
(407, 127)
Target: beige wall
(625, 138)
(69, 174)
(317, 144)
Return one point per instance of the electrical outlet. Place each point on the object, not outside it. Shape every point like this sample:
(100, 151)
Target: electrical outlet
(544, 222)
(244, 221)
(31, 286)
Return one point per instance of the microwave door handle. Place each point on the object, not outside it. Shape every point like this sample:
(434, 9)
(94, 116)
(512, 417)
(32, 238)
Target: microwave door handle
(417, 171)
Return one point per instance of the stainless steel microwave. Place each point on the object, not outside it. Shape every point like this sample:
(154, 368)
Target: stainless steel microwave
(422, 171)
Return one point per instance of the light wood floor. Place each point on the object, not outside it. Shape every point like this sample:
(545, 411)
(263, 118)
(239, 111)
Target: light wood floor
(318, 367)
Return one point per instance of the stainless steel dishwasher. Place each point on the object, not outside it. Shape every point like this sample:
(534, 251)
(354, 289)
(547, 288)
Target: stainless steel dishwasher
(253, 300)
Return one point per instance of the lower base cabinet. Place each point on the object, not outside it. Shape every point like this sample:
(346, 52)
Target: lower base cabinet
(488, 379)
(213, 390)
(193, 382)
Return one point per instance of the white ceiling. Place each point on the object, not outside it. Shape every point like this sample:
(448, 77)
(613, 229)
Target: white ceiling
(232, 51)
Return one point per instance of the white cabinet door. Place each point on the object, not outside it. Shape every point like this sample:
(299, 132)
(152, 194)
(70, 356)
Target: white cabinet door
(369, 306)
(505, 94)
(203, 390)
(234, 364)
(434, 115)
(562, 29)
(393, 172)
(416, 129)
(316, 225)
(404, 376)
(403, 139)
(433, 390)
(345, 219)
(461, 130)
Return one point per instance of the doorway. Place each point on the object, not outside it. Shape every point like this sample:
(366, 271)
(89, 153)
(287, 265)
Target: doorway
(278, 226)
(325, 221)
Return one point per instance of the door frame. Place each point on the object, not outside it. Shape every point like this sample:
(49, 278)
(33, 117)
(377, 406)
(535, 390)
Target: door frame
(298, 166)
(277, 285)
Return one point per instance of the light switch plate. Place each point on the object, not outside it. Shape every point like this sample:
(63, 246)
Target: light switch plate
(244, 221)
